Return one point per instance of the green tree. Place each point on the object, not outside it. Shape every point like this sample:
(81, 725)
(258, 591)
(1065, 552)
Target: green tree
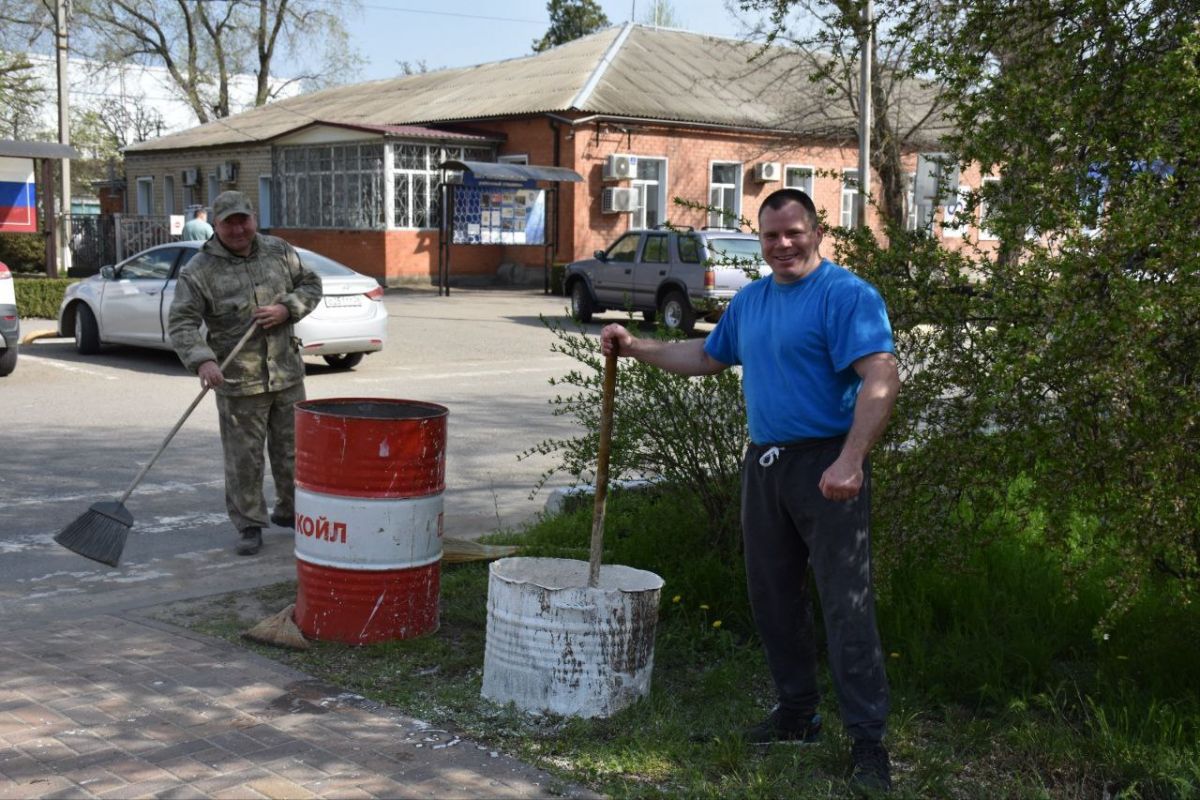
(1059, 380)
(661, 14)
(570, 19)
(907, 107)
(202, 45)
(22, 90)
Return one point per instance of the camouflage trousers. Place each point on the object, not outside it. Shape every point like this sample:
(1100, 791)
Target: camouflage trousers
(247, 423)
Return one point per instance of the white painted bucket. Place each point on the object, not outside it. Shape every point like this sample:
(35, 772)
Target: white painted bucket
(556, 645)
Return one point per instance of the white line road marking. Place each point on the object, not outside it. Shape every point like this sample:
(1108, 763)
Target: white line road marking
(68, 367)
(475, 373)
(142, 490)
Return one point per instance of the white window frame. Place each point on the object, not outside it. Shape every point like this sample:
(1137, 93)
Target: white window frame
(214, 187)
(638, 218)
(264, 201)
(950, 231)
(145, 195)
(518, 158)
(726, 217)
(812, 178)
(912, 217)
(434, 154)
(849, 205)
(169, 195)
(985, 234)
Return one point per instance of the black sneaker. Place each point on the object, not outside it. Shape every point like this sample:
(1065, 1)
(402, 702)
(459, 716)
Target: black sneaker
(872, 767)
(284, 522)
(789, 727)
(251, 542)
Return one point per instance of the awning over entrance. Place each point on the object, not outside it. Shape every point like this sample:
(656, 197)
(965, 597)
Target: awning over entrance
(498, 204)
(489, 171)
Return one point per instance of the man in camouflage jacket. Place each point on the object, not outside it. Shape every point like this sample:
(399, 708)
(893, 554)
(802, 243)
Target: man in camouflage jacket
(241, 277)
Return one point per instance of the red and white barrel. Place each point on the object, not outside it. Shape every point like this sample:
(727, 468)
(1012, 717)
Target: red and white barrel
(369, 480)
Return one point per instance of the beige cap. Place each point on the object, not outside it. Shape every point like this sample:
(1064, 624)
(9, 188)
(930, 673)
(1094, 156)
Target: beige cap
(229, 203)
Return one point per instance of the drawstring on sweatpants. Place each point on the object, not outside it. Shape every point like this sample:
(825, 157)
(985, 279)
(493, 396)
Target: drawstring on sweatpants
(769, 457)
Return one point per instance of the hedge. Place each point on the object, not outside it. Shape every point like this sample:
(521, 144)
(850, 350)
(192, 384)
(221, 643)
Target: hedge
(39, 296)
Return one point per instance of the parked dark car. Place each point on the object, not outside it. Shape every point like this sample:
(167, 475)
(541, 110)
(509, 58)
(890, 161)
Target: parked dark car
(677, 275)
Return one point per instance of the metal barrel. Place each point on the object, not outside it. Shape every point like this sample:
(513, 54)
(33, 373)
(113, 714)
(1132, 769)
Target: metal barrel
(556, 645)
(369, 480)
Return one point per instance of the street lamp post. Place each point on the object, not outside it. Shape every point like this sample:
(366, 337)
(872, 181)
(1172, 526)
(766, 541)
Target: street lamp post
(62, 231)
(866, 42)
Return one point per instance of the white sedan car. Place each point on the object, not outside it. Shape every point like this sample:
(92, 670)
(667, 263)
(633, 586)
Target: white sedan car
(129, 304)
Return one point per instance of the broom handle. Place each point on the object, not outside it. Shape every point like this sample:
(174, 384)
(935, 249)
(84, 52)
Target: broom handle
(237, 348)
(606, 421)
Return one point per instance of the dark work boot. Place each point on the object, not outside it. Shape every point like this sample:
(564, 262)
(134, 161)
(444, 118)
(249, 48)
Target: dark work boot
(786, 727)
(288, 521)
(872, 768)
(251, 542)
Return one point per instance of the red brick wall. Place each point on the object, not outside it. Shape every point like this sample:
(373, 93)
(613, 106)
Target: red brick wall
(407, 257)
(397, 257)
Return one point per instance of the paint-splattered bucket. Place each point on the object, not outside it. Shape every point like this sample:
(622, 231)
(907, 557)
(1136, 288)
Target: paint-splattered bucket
(556, 645)
(369, 480)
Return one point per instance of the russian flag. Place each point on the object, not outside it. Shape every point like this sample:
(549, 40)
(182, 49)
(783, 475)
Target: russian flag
(18, 196)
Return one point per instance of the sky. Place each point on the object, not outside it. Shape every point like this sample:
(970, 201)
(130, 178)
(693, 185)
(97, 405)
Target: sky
(459, 33)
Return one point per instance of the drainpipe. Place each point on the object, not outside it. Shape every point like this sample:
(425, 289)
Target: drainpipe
(556, 129)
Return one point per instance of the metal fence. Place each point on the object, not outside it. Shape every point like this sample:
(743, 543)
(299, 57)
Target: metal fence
(135, 232)
(93, 243)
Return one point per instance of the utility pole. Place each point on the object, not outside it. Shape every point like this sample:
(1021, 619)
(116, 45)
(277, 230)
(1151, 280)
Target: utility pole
(866, 46)
(62, 231)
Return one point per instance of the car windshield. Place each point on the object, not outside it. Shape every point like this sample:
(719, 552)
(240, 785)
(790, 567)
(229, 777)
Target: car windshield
(730, 248)
(325, 267)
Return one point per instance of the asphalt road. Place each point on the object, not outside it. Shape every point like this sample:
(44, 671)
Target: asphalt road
(75, 429)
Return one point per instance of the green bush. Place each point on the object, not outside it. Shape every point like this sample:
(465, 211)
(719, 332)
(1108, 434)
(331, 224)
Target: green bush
(690, 432)
(23, 252)
(38, 296)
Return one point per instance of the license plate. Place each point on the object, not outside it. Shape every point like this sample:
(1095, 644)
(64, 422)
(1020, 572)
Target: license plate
(343, 300)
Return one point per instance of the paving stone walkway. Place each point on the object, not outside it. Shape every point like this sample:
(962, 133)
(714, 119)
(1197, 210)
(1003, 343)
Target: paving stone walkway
(123, 707)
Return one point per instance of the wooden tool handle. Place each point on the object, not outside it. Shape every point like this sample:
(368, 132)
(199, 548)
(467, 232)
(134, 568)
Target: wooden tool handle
(237, 348)
(606, 421)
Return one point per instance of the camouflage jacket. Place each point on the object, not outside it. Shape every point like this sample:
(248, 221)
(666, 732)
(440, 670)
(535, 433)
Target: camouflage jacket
(220, 289)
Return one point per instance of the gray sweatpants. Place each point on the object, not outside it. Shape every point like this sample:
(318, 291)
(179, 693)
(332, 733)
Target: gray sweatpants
(247, 423)
(787, 525)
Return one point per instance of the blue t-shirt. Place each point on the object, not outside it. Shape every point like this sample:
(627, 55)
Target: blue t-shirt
(796, 343)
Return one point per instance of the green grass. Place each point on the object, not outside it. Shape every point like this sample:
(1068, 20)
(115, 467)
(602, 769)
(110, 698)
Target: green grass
(1001, 688)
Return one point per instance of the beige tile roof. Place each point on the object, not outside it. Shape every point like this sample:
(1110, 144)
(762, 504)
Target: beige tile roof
(630, 70)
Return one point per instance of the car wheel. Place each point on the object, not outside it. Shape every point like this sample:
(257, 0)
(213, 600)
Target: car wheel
(344, 361)
(581, 302)
(87, 332)
(8, 360)
(677, 313)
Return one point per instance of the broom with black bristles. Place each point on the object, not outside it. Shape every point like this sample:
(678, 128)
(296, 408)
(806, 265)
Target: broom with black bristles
(99, 533)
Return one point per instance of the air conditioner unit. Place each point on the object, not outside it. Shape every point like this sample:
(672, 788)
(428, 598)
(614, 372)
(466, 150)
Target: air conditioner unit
(767, 171)
(620, 167)
(618, 201)
(191, 177)
(228, 172)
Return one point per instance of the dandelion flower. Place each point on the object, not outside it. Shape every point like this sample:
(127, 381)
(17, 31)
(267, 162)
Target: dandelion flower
(704, 606)
(894, 655)
(716, 623)
(676, 598)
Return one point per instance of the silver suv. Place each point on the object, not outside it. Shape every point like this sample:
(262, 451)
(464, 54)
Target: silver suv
(679, 275)
(10, 325)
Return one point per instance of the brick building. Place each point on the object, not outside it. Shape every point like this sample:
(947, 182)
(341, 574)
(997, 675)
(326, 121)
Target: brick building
(645, 115)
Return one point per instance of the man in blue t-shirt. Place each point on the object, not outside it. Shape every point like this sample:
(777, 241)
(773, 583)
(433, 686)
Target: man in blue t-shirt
(820, 378)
